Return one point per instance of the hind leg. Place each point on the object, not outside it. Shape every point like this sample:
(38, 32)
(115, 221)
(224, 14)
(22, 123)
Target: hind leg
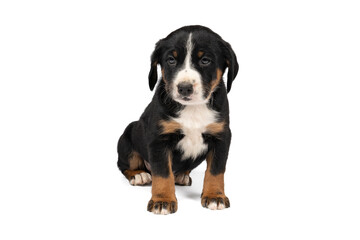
(130, 163)
(136, 174)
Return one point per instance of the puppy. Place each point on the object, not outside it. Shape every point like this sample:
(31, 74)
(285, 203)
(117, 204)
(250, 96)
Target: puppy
(186, 122)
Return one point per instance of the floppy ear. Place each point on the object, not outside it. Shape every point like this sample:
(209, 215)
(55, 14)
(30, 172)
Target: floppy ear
(232, 64)
(155, 60)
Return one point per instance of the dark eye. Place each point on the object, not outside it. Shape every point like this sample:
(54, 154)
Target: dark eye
(205, 61)
(171, 60)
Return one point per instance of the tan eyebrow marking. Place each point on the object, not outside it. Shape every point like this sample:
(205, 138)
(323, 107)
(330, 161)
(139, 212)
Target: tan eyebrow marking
(175, 53)
(200, 54)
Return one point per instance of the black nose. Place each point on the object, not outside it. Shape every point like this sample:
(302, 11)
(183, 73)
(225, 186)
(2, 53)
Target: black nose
(185, 89)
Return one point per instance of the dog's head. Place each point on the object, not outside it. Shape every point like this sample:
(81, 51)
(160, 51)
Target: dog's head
(193, 60)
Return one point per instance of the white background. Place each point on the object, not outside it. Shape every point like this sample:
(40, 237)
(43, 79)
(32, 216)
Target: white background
(74, 74)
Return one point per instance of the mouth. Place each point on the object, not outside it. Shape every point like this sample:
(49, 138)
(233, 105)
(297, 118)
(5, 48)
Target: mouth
(183, 100)
(189, 100)
(186, 99)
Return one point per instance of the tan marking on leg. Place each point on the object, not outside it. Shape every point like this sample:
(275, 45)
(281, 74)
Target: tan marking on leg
(215, 128)
(135, 161)
(131, 173)
(163, 189)
(213, 184)
(169, 126)
(213, 195)
(136, 173)
(163, 200)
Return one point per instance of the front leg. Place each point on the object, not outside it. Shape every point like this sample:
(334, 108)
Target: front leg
(163, 200)
(213, 195)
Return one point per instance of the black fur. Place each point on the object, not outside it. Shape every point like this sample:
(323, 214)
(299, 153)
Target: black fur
(144, 136)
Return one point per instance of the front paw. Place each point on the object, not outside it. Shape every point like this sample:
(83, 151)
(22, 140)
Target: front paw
(215, 202)
(162, 207)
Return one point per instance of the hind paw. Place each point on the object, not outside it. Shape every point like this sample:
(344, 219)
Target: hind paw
(142, 178)
(183, 179)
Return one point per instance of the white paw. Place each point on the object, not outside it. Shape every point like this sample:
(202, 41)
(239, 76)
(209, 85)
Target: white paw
(162, 207)
(162, 211)
(141, 179)
(215, 203)
(215, 206)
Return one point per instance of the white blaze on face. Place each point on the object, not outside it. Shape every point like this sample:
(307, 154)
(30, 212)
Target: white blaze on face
(189, 75)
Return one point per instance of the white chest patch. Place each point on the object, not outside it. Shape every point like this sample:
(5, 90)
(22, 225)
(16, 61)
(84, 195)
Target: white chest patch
(193, 120)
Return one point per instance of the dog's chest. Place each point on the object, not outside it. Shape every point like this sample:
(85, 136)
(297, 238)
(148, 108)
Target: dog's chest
(193, 120)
